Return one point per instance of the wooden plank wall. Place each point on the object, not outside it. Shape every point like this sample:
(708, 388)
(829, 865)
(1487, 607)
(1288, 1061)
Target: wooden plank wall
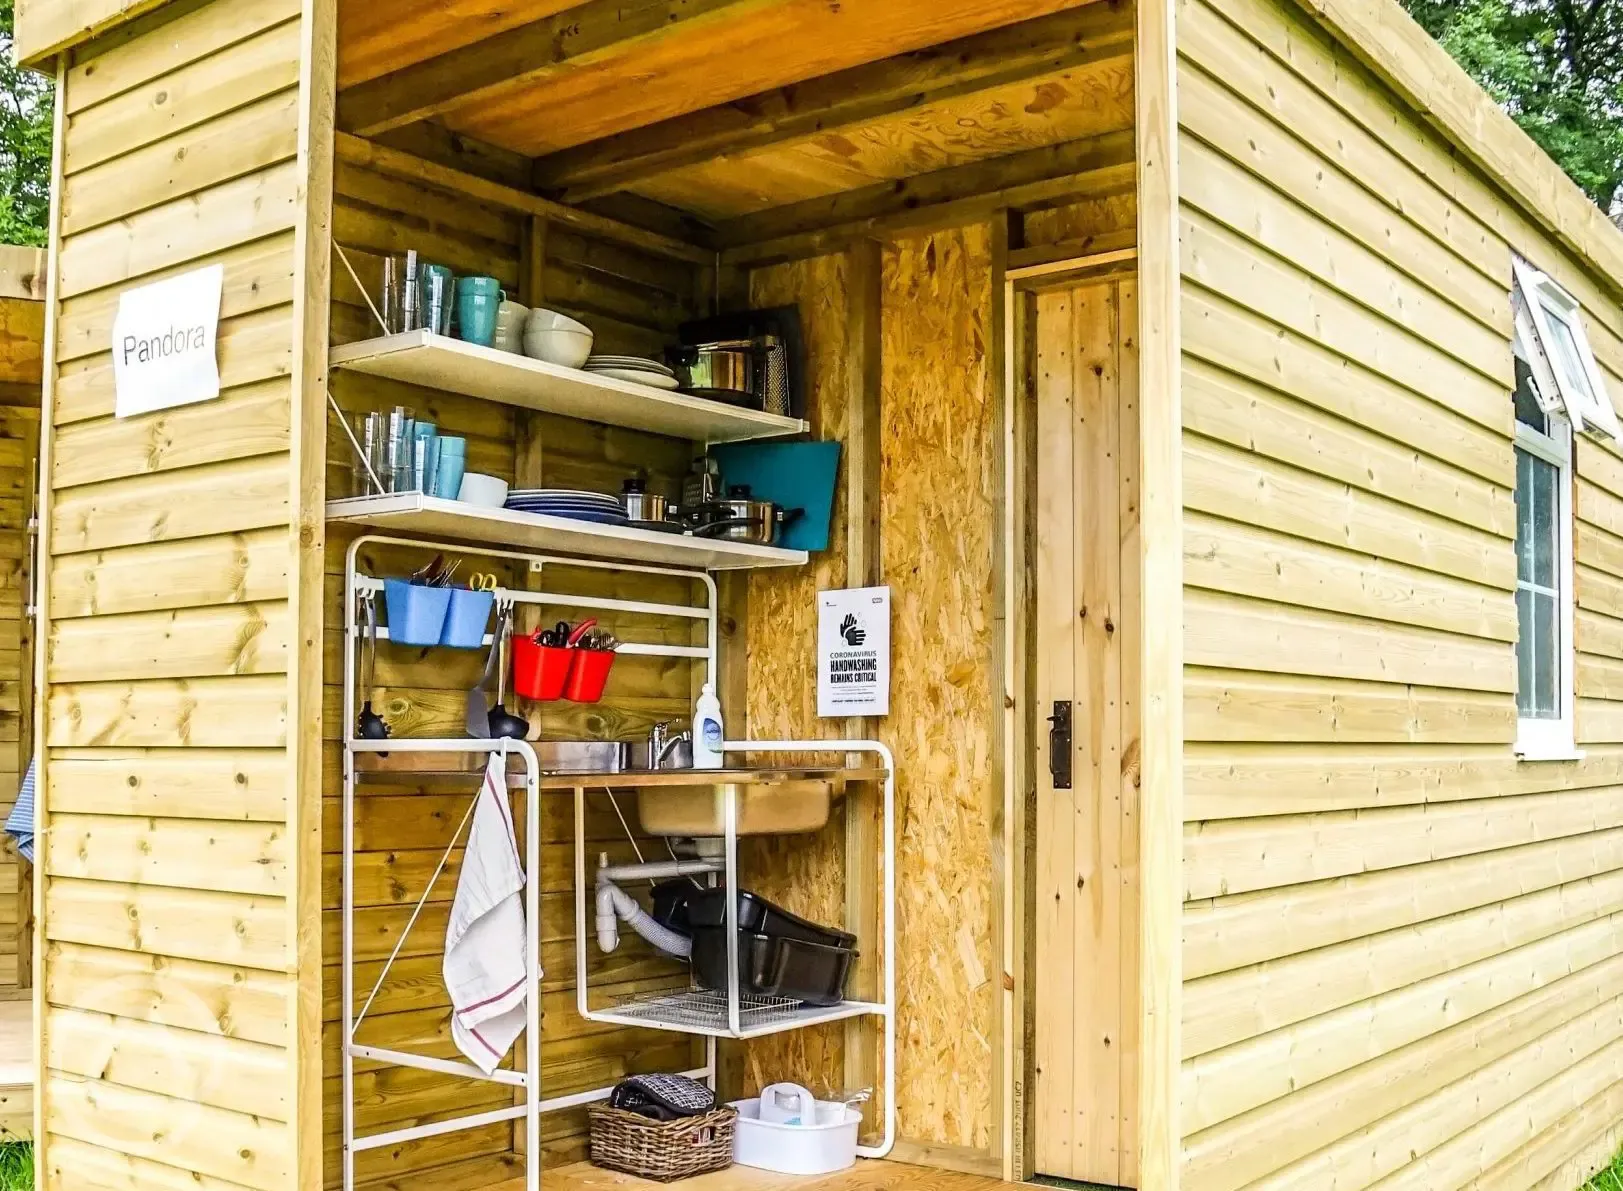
(22, 333)
(173, 1017)
(1401, 947)
(634, 300)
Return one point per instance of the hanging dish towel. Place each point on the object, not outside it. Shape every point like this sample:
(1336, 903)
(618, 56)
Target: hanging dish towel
(485, 943)
(20, 823)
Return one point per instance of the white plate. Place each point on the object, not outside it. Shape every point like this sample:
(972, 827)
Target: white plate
(654, 380)
(564, 494)
(627, 362)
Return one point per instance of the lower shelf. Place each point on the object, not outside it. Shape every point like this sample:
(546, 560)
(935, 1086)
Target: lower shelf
(705, 1013)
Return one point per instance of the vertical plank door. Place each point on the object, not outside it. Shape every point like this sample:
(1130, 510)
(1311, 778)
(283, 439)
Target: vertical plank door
(1086, 651)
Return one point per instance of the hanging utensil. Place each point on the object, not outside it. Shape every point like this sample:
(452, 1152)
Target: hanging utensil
(429, 573)
(477, 718)
(503, 722)
(370, 725)
(584, 627)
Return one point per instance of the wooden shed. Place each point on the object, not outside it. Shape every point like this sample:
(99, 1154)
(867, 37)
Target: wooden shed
(1224, 396)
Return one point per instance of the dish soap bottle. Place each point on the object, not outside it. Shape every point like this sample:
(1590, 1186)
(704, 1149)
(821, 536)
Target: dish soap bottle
(707, 734)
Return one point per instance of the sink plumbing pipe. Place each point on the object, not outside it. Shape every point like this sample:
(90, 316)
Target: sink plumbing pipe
(615, 904)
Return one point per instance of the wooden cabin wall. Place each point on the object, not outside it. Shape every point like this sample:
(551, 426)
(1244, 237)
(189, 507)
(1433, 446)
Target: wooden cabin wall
(634, 301)
(22, 334)
(177, 887)
(1401, 945)
(937, 508)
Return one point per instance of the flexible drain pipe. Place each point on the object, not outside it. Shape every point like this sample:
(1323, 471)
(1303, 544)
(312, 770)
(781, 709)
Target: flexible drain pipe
(615, 904)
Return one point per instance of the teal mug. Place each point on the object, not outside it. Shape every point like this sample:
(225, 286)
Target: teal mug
(478, 301)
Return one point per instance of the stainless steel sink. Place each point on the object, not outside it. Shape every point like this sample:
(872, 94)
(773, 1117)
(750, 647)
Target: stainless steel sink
(597, 756)
(584, 756)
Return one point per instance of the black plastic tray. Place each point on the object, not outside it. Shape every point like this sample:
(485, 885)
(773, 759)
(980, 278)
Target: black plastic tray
(756, 915)
(773, 967)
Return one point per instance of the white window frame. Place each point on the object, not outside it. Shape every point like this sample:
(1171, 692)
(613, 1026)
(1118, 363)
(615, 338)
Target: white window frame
(1554, 739)
(1539, 302)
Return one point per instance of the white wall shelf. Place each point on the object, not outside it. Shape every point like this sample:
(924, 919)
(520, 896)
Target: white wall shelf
(414, 514)
(452, 366)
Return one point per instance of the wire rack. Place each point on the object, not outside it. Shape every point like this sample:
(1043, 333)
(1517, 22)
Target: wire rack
(701, 1009)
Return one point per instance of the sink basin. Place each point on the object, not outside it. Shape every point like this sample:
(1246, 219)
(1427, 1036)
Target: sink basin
(764, 808)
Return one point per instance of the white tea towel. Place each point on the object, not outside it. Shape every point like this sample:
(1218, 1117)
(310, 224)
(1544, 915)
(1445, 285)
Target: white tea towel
(485, 942)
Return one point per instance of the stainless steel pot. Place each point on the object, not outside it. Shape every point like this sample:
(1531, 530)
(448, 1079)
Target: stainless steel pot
(731, 370)
(642, 505)
(741, 518)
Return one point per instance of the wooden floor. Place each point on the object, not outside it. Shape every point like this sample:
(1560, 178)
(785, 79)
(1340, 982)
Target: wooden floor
(16, 1070)
(865, 1176)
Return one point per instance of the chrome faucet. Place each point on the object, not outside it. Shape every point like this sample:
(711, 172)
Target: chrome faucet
(662, 744)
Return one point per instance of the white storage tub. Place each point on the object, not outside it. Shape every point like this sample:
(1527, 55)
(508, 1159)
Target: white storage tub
(828, 1145)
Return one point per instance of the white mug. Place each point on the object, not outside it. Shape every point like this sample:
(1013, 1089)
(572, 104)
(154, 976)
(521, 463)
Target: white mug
(511, 318)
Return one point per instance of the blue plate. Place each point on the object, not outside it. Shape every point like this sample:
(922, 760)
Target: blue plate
(595, 518)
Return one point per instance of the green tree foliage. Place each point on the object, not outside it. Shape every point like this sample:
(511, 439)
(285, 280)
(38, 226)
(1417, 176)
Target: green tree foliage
(25, 144)
(1556, 66)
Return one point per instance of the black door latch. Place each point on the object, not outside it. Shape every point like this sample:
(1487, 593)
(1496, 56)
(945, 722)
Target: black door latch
(1059, 744)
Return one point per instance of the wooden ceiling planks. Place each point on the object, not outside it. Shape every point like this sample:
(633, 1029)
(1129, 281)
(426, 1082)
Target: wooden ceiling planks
(603, 68)
(1066, 106)
(375, 38)
(858, 95)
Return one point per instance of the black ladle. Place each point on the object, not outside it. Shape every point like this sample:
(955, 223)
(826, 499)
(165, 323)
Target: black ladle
(370, 725)
(502, 721)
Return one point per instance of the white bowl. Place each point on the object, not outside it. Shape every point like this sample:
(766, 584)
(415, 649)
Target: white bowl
(488, 492)
(567, 349)
(557, 339)
(542, 319)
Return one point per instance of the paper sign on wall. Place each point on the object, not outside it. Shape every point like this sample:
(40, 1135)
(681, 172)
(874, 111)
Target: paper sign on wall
(164, 342)
(853, 652)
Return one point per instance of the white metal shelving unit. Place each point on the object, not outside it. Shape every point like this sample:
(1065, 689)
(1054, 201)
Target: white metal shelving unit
(710, 1015)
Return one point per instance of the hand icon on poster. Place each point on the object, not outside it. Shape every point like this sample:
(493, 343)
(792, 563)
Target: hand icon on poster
(854, 636)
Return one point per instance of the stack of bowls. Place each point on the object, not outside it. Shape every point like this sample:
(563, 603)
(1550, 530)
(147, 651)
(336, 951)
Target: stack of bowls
(557, 339)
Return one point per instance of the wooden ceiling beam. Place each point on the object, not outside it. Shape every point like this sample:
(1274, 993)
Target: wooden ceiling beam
(1094, 33)
(523, 57)
(370, 155)
(1096, 167)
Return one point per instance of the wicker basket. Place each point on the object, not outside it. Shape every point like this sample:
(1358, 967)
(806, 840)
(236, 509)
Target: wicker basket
(662, 1150)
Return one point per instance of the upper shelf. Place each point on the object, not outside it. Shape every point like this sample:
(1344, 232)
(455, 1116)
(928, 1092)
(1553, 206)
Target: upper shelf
(452, 366)
(413, 513)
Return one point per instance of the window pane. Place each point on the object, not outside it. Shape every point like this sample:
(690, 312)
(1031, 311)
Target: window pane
(1545, 476)
(1546, 659)
(1524, 653)
(1568, 357)
(1537, 532)
(1524, 516)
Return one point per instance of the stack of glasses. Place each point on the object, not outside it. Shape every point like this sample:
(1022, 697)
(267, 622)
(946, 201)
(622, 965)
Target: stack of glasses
(403, 454)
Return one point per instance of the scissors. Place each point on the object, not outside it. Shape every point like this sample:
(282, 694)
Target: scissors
(483, 581)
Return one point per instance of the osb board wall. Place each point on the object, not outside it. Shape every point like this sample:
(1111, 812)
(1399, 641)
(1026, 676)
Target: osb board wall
(404, 828)
(22, 332)
(939, 513)
(1401, 945)
(171, 907)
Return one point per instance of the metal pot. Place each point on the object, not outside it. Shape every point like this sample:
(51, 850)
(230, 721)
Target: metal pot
(731, 370)
(741, 518)
(642, 505)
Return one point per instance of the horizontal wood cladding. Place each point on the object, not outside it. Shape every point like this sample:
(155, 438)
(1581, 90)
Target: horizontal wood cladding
(1401, 944)
(47, 27)
(171, 879)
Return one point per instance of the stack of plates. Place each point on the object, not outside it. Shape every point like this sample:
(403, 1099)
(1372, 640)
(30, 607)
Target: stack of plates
(567, 502)
(634, 369)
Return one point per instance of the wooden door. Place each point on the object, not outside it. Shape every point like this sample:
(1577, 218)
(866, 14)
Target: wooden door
(1087, 648)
